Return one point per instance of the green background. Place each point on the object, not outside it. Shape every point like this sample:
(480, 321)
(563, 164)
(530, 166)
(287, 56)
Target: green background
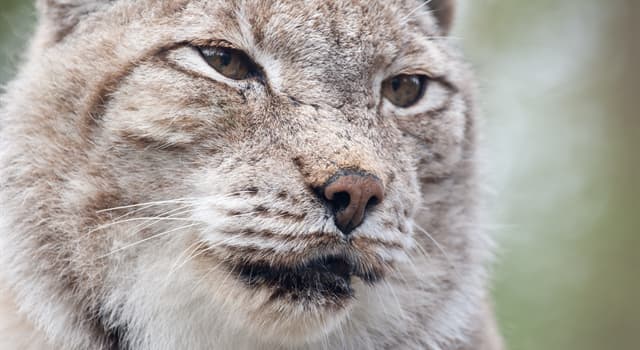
(561, 139)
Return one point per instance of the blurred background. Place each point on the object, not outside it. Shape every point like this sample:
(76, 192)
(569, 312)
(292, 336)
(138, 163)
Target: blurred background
(562, 136)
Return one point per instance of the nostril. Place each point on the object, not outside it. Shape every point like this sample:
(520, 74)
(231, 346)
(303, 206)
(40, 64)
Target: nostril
(340, 201)
(372, 202)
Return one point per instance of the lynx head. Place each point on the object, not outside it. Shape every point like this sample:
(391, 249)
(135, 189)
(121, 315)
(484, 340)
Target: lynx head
(242, 174)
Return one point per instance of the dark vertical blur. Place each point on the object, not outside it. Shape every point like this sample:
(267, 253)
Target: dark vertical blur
(562, 138)
(616, 299)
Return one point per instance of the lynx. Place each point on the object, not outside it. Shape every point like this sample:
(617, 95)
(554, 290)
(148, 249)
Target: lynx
(242, 174)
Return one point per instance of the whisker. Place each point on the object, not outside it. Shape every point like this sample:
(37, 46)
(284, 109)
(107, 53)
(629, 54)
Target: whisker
(173, 213)
(193, 248)
(224, 280)
(439, 247)
(446, 37)
(424, 252)
(156, 218)
(422, 4)
(169, 201)
(381, 300)
(147, 207)
(396, 299)
(146, 240)
(414, 270)
(201, 279)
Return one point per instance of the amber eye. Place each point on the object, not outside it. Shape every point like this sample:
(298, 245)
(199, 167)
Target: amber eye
(405, 90)
(231, 63)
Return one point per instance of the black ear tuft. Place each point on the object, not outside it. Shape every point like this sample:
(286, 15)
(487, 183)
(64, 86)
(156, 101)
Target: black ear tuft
(64, 15)
(443, 10)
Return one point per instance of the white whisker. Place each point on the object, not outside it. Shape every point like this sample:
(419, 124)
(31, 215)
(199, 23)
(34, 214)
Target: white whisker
(187, 252)
(439, 247)
(146, 240)
(169, 201)
(156, 218)
(406, 17)
(170, 214)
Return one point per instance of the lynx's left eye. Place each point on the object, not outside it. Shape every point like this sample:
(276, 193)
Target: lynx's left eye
(233, 64)
(405, 90)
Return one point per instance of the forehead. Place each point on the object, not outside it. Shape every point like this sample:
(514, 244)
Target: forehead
(306, 26)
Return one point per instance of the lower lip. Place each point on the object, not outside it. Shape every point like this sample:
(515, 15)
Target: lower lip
(328, 277)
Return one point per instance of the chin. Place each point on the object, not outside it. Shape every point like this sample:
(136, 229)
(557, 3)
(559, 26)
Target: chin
(288, 323)
(293, 304)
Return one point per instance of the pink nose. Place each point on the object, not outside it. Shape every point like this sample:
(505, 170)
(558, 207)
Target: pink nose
(351, 194)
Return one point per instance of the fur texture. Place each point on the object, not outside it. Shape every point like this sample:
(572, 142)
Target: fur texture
(135, 179)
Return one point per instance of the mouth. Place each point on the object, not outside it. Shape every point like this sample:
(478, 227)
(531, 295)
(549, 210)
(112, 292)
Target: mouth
(324, 277)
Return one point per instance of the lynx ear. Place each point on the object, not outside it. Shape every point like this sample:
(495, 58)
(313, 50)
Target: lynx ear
(443, 10)
(63, 15)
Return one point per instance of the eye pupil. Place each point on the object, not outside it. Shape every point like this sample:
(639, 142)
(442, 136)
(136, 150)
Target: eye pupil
(395, 84)
(225, 58)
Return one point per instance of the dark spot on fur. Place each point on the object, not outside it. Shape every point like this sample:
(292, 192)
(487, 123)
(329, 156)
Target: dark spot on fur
(112, 337)
(391, 177)
(252, 191)
(294, 101)
(147, 142)
(116, 338)
(298, 162)
(261, 211)
(242, 94)
(434, 180)
(103, 200)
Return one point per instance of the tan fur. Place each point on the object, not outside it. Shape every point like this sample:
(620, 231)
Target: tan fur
(135, 179)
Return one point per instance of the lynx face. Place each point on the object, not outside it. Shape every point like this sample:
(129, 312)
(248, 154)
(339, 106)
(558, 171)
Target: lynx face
(242, 174)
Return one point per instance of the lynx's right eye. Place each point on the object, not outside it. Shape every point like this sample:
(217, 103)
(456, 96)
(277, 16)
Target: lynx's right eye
(405, 90)
(233, 64)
